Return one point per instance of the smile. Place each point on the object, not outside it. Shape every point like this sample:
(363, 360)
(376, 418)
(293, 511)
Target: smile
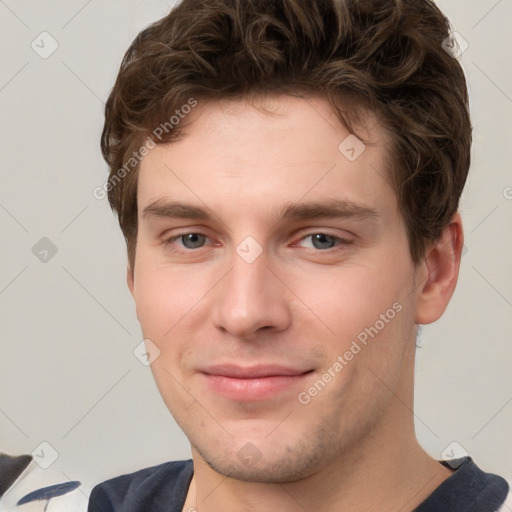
(246, 384)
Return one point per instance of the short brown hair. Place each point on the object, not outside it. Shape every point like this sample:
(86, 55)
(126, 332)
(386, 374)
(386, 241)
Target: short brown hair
(386, 54)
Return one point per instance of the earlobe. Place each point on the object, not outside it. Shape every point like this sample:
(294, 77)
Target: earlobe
(441, 266)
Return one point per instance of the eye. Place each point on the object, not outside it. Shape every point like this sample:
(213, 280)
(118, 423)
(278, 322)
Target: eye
(189, 240)
(323, 241)
(193, 240)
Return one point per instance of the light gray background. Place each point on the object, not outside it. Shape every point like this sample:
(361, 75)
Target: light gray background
(68, 326)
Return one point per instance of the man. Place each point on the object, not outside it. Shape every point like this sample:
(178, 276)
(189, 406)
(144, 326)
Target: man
(287, 176)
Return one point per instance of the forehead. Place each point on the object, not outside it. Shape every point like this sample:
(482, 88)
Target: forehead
(279, 149)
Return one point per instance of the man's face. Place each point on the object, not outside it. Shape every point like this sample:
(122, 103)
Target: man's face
(300, 259)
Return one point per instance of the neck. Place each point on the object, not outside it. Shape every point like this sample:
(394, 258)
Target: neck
(387, 471)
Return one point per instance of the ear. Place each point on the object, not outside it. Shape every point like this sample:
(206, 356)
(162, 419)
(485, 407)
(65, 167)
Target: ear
(438, 272)
(129, 279)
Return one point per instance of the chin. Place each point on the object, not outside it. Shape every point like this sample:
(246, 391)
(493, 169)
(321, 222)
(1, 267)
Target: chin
(276, 472)
(269, 465)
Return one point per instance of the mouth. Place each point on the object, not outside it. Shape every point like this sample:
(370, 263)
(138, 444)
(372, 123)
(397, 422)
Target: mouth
(254, 383)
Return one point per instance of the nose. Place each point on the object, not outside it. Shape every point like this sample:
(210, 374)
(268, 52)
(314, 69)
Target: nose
(251, 299)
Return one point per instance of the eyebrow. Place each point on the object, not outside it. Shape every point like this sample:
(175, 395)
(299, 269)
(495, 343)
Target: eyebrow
(160, 209)
(331, 208)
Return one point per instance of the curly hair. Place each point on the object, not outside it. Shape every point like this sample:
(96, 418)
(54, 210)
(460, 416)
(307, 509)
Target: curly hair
(387, 55)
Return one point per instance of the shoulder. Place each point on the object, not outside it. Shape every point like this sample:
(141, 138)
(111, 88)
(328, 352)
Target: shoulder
(155, 488)
(468, 488)
(507, 504)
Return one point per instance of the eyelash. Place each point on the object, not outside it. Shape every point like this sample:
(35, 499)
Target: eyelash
(339, 241)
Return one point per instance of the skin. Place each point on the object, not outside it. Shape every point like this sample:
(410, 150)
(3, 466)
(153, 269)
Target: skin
(298, 304)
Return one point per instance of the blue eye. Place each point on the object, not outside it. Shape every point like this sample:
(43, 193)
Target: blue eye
(323, 241)
(192, 240)
(319, 241)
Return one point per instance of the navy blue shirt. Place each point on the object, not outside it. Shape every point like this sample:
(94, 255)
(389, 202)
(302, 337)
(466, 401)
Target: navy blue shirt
(164, 488)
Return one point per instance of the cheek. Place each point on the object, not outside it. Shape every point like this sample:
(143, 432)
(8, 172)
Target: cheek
(344, 301)
(163, 309)
(172, 307)
(163, 297)
(152, 301)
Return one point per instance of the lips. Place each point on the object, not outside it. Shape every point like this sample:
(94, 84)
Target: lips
(252, 372)
(252, 383)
